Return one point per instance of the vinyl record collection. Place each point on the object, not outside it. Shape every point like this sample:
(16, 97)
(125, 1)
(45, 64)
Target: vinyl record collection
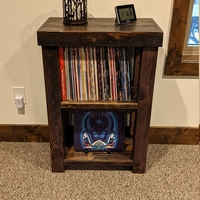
(94, 73)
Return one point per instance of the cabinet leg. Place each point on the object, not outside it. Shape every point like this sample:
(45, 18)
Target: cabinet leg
(58, 166)
(143, 115)
(53, 98)
(57, 149)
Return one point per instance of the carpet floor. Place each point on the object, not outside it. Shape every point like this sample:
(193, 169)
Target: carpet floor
(172, 172)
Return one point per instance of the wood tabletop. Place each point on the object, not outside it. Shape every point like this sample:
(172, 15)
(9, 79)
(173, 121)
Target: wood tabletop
(100, 32)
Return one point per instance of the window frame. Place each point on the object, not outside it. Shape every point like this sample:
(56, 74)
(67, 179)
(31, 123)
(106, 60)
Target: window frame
(174, 65)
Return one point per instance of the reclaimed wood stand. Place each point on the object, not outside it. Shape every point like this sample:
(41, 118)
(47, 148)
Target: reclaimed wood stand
(145, 36)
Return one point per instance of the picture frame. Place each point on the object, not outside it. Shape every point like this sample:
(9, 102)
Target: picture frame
(125, 14)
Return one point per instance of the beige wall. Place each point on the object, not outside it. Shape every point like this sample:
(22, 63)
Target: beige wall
(176, 100)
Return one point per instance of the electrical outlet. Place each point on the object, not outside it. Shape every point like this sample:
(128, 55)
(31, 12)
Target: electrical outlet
(19, 91)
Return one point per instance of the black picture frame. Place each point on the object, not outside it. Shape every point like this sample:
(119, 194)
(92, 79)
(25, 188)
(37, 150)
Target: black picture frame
(125, 14)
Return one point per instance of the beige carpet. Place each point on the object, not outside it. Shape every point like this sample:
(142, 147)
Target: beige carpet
(172, 173)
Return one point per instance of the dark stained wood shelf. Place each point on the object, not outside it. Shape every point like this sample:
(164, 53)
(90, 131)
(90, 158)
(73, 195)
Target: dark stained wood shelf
(145, 36)
(99, 158)
(106, 105)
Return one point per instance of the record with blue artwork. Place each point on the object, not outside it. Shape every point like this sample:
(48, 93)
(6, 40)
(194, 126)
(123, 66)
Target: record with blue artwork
(99, 131)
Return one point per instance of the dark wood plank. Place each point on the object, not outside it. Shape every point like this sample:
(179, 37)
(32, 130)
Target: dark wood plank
(95, 159)
(53, 98)
(132, 125)
(145, 94)
(100, 158)
(138, 51)
(100, 32)
(106, 105)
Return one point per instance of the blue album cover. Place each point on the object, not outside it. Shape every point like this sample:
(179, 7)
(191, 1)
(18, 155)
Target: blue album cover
(99, 131)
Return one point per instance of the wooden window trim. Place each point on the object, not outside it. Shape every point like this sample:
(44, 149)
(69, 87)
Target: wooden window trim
(174, 66)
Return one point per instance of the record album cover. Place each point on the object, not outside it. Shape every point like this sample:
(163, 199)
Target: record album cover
(99, 131)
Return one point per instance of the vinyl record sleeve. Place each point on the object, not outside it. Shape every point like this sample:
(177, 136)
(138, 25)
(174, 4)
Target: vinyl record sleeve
(99, 131)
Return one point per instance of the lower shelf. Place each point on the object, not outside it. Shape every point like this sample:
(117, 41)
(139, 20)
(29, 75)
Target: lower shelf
(99, 158)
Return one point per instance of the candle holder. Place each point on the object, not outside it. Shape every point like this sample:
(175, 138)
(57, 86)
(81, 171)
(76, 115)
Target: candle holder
(74, 12)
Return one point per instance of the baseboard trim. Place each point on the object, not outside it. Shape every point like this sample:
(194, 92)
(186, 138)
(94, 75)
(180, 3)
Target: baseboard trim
(174, 135)
(157, 135)
(24, 133)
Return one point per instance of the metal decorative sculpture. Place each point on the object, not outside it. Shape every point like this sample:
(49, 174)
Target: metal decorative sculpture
(75, 12)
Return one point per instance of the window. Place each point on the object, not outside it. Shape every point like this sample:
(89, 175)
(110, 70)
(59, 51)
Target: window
(191, 44)
(180, 61)
(193, 36)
